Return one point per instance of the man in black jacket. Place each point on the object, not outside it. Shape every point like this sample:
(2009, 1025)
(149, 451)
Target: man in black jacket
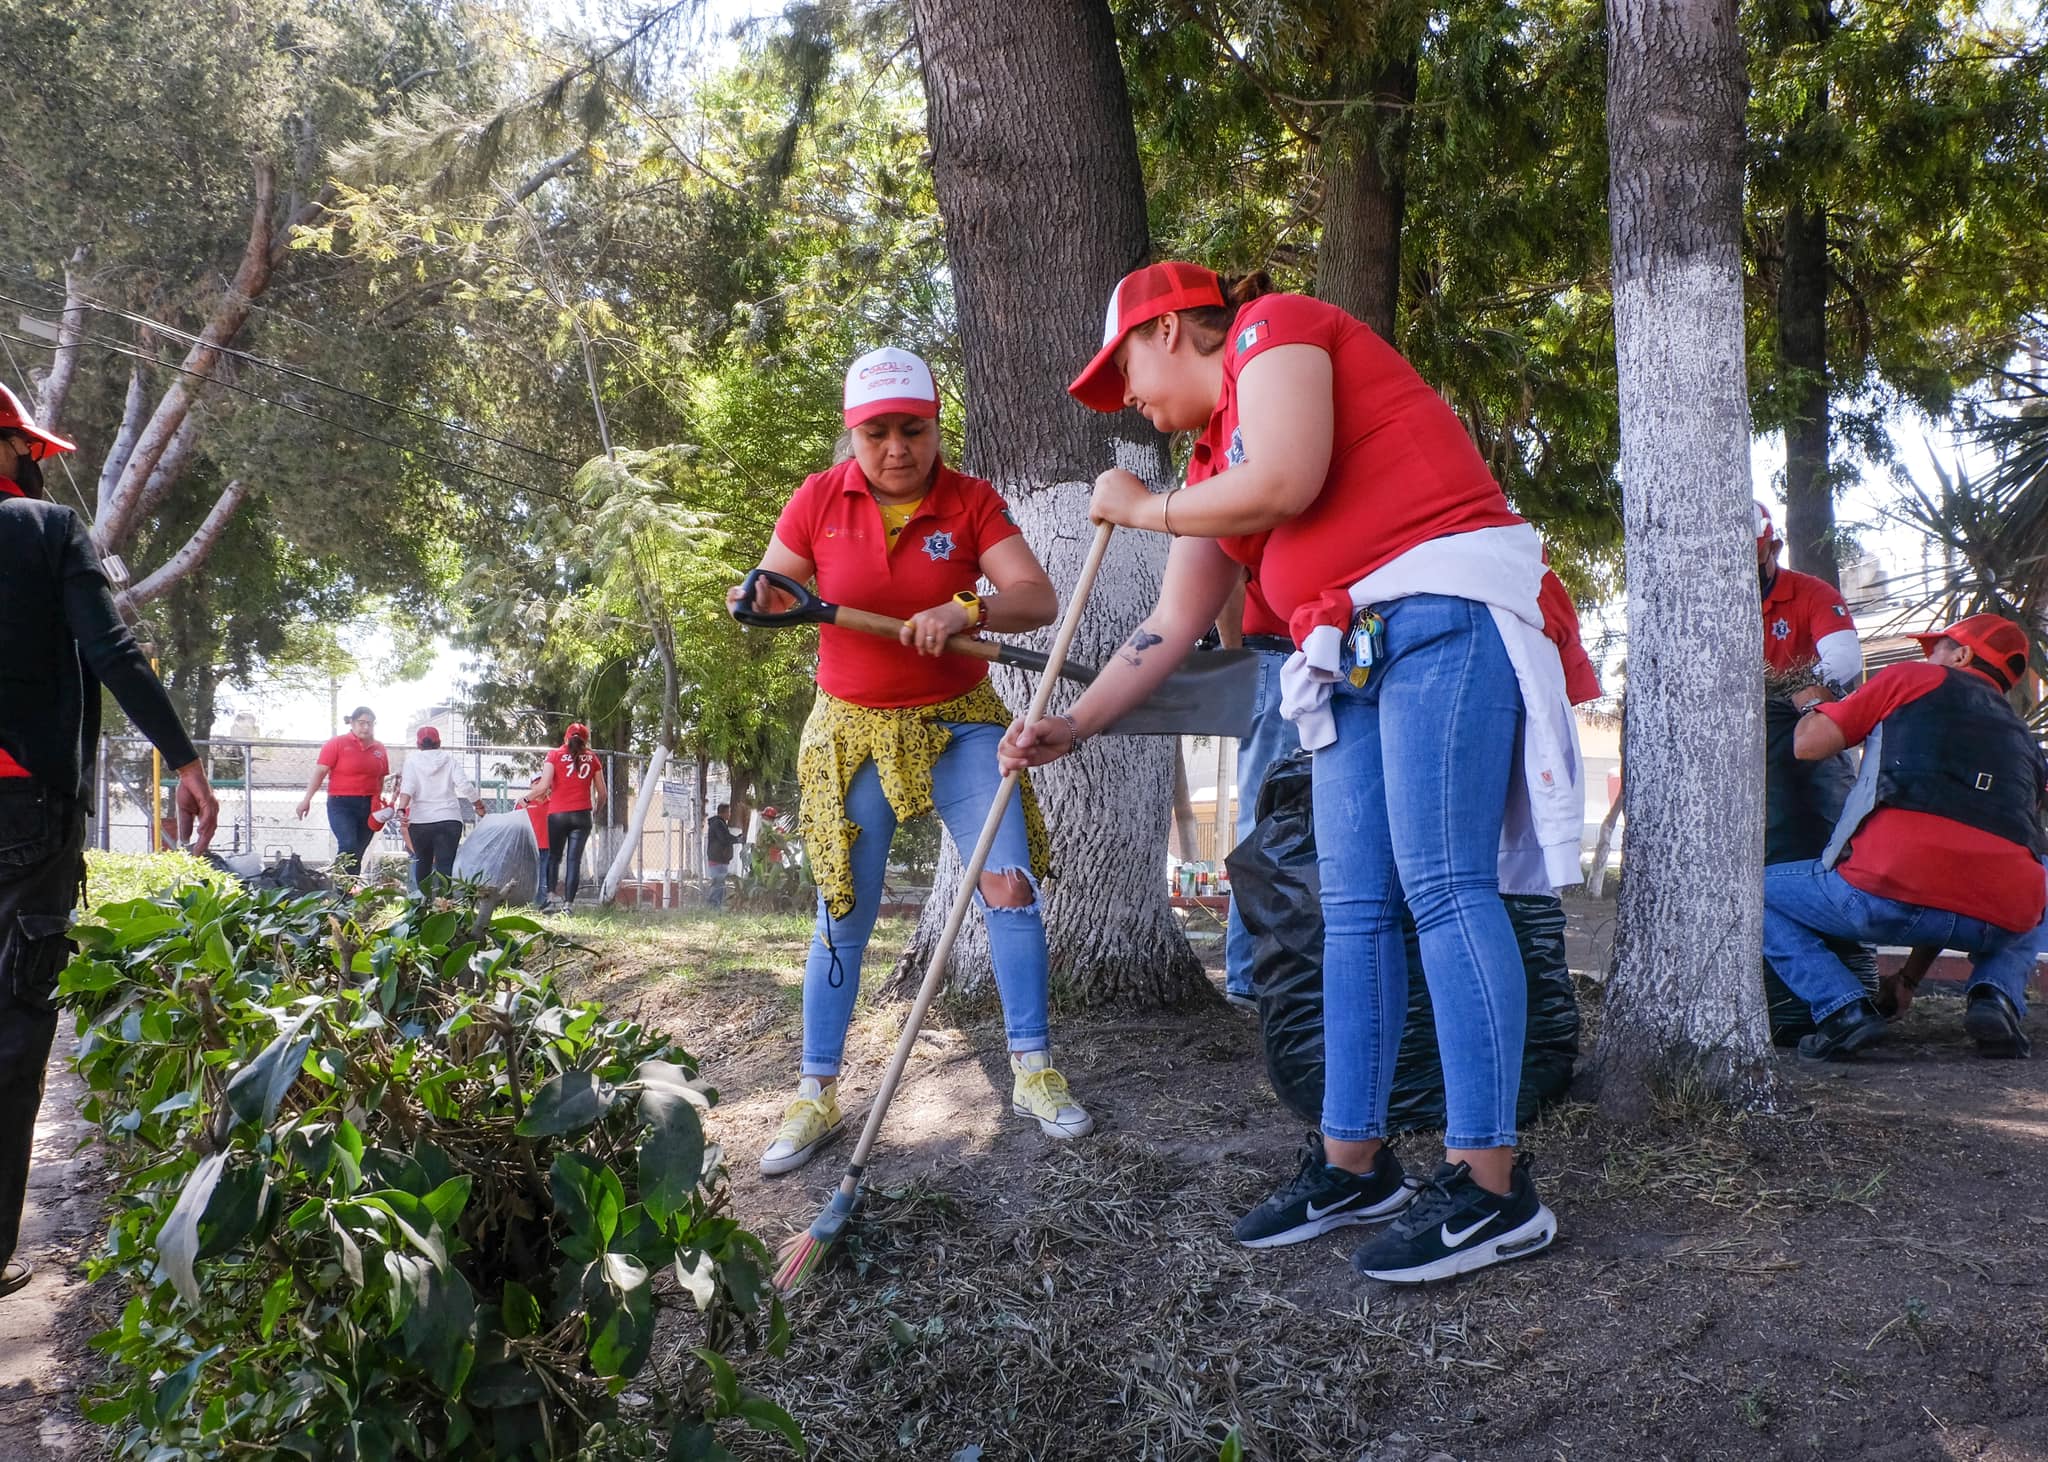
(64, 640)
(719, 841)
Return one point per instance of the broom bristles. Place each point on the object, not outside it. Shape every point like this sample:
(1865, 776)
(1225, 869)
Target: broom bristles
(804, 1254)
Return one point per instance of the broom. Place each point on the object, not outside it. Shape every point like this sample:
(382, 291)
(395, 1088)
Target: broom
(803, 1254)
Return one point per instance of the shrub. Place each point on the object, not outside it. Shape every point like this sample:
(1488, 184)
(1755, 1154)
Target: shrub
(380, 1192)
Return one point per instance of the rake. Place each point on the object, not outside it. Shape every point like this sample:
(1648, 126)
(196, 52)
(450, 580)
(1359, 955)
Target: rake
(805, 1253)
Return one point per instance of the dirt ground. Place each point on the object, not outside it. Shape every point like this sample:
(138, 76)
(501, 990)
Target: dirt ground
(1853, 1275)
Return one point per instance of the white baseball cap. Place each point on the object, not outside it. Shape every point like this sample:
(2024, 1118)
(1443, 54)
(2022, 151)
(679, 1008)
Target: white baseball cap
(889, 380)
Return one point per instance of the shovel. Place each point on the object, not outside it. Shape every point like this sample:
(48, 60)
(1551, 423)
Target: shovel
(1213, 693)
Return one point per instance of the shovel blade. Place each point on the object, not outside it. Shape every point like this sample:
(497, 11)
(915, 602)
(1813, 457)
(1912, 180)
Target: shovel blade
(1213, 693)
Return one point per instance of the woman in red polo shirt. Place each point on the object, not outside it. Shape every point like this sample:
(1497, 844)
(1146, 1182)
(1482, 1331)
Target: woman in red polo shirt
(354, 766)
(900, 730)
(571, 783)
(1334, 473)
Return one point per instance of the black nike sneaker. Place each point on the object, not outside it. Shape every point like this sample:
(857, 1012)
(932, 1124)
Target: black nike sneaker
(1319, 1198)
(1455, 1226)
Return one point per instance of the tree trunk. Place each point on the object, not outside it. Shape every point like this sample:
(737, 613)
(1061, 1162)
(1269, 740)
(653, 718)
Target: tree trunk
(1803, 352)
(192, 556)
(1358, 262)
(1183, 808)
(1685, 997)
(56, 386)
(1036, 165)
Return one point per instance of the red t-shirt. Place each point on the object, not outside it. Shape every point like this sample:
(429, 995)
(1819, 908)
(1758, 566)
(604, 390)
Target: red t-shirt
(1402, 468)
(354, 770)
(1259, 618)
(1918, 858)
(537, 814)
(9, 767)
(1799, 612)
(832, 520)
(573, 775)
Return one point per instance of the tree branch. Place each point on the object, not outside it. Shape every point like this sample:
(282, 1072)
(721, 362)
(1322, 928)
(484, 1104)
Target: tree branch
(64, 363)
(187, 559)
(124, 439)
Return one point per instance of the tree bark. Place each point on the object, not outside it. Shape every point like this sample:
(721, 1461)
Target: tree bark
(56, 387)
(192, 555)
(132, 408)
(1803, 351)
(1358, 261)
(1685, 998)
(1036, 164)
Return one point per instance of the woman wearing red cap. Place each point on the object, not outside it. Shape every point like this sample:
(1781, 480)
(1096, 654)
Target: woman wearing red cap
(572, 784)
(1425, 684)
(900, 730)
(432, 789)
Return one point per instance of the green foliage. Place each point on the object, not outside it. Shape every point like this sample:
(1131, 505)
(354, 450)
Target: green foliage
(380, 1192)
(119, 878)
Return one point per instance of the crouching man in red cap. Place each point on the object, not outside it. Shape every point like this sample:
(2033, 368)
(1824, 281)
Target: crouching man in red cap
(1940, 844)
(63, 640)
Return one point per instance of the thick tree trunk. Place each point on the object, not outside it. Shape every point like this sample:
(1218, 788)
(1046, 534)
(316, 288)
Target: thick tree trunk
(1685, 997)
(1036, 164)
(1358, 261)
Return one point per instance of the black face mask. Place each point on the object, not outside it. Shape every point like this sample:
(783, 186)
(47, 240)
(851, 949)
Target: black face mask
(28, 476)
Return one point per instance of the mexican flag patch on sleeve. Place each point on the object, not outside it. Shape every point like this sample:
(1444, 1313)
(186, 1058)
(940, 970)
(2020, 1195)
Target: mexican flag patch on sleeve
(1250, 335)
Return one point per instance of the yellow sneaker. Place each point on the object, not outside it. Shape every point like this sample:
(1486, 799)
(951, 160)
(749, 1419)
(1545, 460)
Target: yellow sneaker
(1040, 1091)
(808, 1123)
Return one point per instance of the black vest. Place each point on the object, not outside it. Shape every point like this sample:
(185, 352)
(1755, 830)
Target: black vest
(1958, 752)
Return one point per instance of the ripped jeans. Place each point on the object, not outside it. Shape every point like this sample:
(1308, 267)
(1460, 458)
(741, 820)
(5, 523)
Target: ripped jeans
(964, 781)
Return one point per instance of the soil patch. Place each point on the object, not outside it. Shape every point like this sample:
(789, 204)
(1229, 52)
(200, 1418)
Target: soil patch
(1853, 1275)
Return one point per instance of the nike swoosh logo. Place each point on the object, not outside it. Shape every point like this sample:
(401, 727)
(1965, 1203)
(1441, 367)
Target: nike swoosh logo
(1453, 1240)
(1315, 1212)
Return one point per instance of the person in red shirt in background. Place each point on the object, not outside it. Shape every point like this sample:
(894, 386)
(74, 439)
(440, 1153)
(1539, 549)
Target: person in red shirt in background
(1941, 843)
(901, 729)
(354, 766)
(1807, 632)
(1429, 684)
(536, 804)
(571, 783)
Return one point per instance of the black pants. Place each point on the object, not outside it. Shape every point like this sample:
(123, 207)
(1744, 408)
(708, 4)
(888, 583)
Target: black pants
(42, 866)
(567, 833)
(433, 850)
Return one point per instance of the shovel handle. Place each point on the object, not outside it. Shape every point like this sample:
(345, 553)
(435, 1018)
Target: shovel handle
(807, 607)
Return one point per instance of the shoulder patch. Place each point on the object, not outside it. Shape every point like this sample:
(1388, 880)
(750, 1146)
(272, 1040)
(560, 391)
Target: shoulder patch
(1008, 516)
(1251, 335)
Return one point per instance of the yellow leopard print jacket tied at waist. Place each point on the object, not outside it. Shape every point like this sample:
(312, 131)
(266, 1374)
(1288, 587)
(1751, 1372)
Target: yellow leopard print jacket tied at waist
(905, 742)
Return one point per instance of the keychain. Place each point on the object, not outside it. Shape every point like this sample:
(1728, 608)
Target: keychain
(1368, 644)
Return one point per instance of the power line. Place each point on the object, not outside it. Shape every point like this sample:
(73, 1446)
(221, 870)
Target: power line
(328, 421)
(285, 370)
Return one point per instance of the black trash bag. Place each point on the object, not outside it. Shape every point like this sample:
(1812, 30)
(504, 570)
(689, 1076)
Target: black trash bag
(1802, 800)
(288, 872)
(1273, 875)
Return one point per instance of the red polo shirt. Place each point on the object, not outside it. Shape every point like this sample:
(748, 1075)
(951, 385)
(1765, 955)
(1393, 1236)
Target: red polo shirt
(1800, 611)
(1402, 468)
(354, 770)
(1918, 858)
(832, 520)
(1259, 618)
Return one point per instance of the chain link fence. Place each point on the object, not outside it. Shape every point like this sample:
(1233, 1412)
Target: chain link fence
(260, 784)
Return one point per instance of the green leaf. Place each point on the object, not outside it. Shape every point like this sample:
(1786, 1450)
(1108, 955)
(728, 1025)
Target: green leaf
(177, 1242)
(1233, 1448)
(695, 1442)
(171, 1394)
(764, 1415)
(589, 1199)
(276, 1300)
(519, 1310)
(723, 1380)
(566, 1103)
(234, 1207)
(672, 1157)
(622, 1320)
(446, 1202)
(257, 1088)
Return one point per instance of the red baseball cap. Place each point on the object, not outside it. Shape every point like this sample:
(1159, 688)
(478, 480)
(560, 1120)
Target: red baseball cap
(1143, 294)
(14, 417)
(1997, 646)
(1766, 531)
(576, 728)
(427, 737)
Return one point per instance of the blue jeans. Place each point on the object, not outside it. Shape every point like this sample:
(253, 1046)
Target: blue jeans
(348, 818)
(964, 782)
(1272, 738)
(1409, 802)
(1805, 903)
(714, 879)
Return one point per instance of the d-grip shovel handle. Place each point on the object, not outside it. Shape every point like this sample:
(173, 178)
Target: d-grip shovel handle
(808, 608)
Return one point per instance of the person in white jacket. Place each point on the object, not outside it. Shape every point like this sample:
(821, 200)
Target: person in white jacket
(432, 787)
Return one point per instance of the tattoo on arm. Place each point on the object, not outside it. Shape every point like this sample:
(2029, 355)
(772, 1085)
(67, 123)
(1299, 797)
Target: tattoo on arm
(1134, 649)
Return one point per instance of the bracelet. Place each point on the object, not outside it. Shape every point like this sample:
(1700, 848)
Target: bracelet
(1073, 727)
(1166, 512)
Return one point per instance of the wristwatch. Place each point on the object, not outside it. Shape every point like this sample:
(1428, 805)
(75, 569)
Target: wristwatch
(970, 601)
